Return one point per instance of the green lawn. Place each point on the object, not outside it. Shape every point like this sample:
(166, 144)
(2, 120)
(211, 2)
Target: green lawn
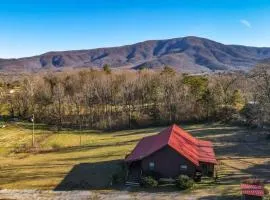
(59, 153)
(95, 156)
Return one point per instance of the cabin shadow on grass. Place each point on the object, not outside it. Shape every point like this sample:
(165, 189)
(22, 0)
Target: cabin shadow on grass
(90, 176)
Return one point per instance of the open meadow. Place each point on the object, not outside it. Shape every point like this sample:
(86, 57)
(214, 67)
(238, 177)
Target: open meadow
(87, 160)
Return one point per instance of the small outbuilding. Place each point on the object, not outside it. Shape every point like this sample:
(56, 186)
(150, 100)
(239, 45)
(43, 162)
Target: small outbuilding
(171, 153)
(252, 191)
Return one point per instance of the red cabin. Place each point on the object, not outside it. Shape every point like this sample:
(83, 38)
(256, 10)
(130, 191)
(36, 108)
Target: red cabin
(170, 153)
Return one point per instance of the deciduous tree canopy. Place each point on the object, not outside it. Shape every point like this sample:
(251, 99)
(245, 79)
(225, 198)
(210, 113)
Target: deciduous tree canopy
(94, 99)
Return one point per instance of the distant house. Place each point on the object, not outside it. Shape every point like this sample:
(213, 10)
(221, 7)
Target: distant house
(170, 153)
(252, 191)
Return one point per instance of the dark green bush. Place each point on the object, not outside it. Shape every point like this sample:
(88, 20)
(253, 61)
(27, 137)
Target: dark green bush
(118, 177)
(149, 182)
(183, 182)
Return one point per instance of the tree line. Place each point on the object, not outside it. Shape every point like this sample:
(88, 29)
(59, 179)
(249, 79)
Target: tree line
(108, 99)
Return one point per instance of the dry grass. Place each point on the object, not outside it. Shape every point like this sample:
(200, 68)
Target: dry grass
(45, 170)
(242, 153)
(4, 110)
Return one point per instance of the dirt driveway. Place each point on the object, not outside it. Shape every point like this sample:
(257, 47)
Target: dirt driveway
(107, 195)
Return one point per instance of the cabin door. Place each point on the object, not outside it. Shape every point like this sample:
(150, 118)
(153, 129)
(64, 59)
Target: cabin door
(207, 169)
(135, 169)
(204, 169)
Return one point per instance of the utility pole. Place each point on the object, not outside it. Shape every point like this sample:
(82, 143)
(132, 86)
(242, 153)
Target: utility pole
(80, 133)
(33, 131)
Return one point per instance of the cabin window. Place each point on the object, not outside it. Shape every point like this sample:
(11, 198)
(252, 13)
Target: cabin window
(151, 165)
(183, 167)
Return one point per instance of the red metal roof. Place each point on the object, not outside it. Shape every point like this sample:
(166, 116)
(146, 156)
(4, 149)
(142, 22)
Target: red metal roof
(252, 190)
(185, 144)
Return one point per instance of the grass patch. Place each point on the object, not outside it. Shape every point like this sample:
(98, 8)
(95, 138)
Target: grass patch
(46, 170)
(89, 159)
(4, 109)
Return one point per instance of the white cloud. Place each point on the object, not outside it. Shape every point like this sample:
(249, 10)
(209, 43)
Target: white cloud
(245, 23)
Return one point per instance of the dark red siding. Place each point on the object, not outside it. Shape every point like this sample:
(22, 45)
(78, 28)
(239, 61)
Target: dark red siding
(167, 163)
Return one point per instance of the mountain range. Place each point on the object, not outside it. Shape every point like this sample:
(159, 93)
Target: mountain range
(186, 54)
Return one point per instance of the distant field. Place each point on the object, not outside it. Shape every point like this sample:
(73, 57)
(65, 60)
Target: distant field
(4, 109)
(93, 156)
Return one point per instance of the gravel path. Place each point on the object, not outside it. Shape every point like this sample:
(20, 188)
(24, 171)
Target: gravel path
(88, 195)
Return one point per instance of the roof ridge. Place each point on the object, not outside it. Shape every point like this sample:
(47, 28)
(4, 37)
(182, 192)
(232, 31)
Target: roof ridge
(170, 133)
(193, 149)
(177, 131)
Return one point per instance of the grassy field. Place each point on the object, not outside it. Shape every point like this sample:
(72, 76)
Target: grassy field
(92, 157)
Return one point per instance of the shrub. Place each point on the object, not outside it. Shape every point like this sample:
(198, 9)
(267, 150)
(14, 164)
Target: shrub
(227, 113)
(55, 146)
(107, 69)
(250, 112)
(149, 182)
(266, 191)
(266, 197)
(183, 182)
(24, 148)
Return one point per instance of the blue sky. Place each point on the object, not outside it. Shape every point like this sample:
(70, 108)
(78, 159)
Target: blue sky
(33, 27)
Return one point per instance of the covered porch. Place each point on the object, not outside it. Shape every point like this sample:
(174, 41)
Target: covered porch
(134, 173)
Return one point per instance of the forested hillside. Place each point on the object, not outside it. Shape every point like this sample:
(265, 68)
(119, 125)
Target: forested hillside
(187, 54)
